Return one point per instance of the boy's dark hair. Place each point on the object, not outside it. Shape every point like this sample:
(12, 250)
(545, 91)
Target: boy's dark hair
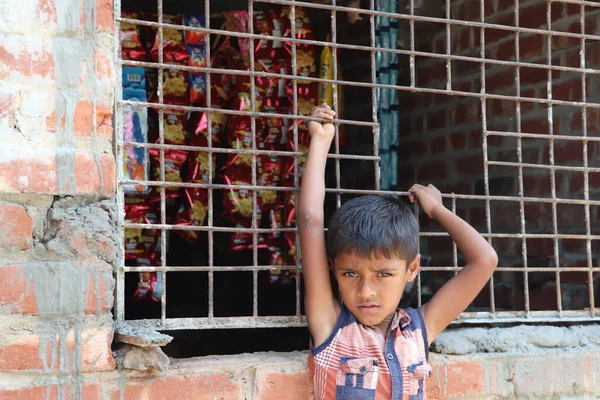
(374, 226)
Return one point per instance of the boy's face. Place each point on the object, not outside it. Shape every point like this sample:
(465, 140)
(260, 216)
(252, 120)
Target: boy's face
(372, 288)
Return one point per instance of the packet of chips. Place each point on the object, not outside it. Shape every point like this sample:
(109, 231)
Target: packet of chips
(135, 129)
(175, 127)
(196, 21)
(174, 51)
(131, 43)
(174, 160)
(193, 212)
(175, 87)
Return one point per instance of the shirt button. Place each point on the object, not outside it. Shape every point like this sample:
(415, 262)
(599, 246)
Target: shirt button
(390, 356)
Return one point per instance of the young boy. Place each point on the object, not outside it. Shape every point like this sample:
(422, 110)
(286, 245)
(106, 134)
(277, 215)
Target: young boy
(365, 347)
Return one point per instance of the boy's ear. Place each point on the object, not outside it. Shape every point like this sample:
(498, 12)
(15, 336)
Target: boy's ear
(413, 268)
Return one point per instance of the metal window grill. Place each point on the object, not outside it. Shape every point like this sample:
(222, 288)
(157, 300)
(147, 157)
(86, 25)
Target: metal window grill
(417, 58)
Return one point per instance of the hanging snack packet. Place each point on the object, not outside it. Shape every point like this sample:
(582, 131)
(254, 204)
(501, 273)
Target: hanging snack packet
(174, 51)
(131, 43)
(196, 21)
(135, 129)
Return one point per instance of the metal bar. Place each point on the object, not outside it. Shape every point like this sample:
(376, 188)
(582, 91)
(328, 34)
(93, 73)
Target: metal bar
(520, 135)
(448, 57)
(243, 113)
(361, 192)
(161, 130)
(120, 256)
(486, 177)
(209, 150)
(520, 161)
(242, 151)
(551, 150)
(235, 268)
(374, 103)
(586, 180)
(364, 123)
(293, 321)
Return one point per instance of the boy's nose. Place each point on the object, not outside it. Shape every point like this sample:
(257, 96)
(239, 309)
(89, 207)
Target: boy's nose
(366, 290)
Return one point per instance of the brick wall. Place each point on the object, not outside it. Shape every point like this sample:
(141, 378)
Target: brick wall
(442, 137)
(271, 377)
(57, 184)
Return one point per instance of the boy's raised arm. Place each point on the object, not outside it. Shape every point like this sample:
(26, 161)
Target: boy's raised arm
(481, 260)
(321, 307)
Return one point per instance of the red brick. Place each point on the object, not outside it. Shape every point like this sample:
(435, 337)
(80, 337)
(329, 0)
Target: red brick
(536, 185)
(563, 42)
(594, 180)
(458, 141)
(470, 165)
(440, 144)
(104, 15)
(29, 393)
(96, 299)
(22, 352)
(570, 152)
(576, 183)
(465, 378)
(432, 171)
(46, 12)
(87, 173)
(84, 117)
(15, 291)
(39, 63)
(433, 383)
(535, 126)
(571, 214)
(475, 139)
(506, 51)
(436, 120)
(215, 386)
(17, 227)
(283, 385)
(499, 82)
(104, 63)
(531, 47)
(29, 175)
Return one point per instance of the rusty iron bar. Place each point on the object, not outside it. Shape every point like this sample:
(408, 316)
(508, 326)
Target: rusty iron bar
(225, 150)
(238, 268)
(452, 57)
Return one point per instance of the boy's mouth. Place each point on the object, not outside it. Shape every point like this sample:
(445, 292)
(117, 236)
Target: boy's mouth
(368, 307)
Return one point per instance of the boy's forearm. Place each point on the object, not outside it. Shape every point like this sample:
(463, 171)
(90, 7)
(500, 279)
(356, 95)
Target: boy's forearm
(312, 188)
(473, 246)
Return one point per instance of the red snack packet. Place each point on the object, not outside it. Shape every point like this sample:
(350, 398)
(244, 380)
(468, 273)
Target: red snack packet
(197, 56)
(194, 209)
(238, 203)
(149, 287)
(276, 221)
(239, 131)
(193, 212)
(241, 241)
(174, 51)
(131, 43)
(197, 88)
(175, 87)
(134, 236)
(198, 171)
(197, 21)
(218, 121)
(175, 127)
(174, 160)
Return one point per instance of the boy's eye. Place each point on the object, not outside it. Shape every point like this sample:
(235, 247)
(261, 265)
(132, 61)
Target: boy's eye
(350, 274)
(384, 274)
